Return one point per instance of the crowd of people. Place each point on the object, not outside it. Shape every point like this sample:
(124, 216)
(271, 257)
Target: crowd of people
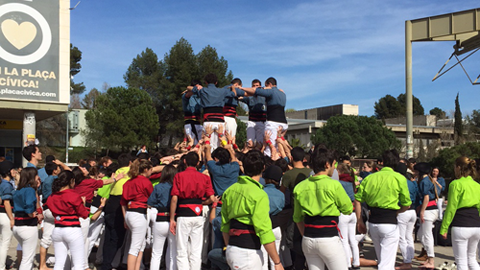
(209, 204)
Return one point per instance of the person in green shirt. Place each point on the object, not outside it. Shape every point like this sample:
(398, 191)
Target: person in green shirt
(246, 223)
(462, 214)
(386, 194)
(318, 201)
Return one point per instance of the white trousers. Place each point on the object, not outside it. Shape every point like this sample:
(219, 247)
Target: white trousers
(5, 237)
(151, 220)
(85, 225)
(324, 251)
(137, 224)
(278, 238)
(255, 131)
(214, 141)
(273, 128)
(406, 224)
(385, 240)
(48, 226)
(464, 243)
(425, 231)
(94, 230)
(27, 237)
(347, 225)
(189, 132)
(231, 125)
(243, 258)
(69, 240)
(440, 208)
(189, 229)
(161, 233)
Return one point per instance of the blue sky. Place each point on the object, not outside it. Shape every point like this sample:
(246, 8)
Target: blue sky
(321, 52)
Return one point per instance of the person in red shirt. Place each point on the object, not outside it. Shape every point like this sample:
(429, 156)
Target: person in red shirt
(67, 207)
(189, 187)
(134, 206)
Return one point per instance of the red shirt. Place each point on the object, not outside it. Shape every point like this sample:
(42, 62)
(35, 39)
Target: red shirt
(137, 189)
(87, 187)
(67, 203)
(191, 184)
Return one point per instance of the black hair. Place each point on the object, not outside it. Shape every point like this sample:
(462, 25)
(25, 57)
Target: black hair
(211, 78)
(27, 178)
(124, 160)
(64, 179)
(191, 159)
(195, 82)
(49, 158)
(282, 163)
(257, 81)
(113, 167)
(78, 175)
(168, 173)
(271, 81)
(236, 81)
(298, 154)
(50, 167)
(155, 161)
(320, 158)
(390, 158)
(28, 151)
(343, 158)
(253, 163)
(143, 156)
(222, 155)
(411, 160)
(105, 171)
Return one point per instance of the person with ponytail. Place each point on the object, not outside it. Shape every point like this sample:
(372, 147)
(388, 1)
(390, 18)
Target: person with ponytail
(160, 199)
(136, 192)
(462, 214)
(67, 207)
(27, 215)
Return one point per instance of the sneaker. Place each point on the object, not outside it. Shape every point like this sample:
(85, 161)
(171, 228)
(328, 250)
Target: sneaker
(443, 266)
(51, 260)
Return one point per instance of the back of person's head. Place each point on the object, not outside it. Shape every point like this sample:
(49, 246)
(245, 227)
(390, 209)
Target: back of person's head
(211, 78)
(5, 168)
(401, 168)
(298, 154)
(49, 158)
(64, 179)
(28, 151)
(273, 174)
(390, 158)
(138, 167)
(237, 81)
(253, 163)
(168, 173)
(343, 168)
(268, 161)
(282, 163)
(222, 155)
(124, 160)
(371, 164)
(78, 175)
(191, 159)
(464, 167)
(105, 171)
(320, 158)
(113, 167)
(155, 161)
(344, 158)
(412, 160)
(50, 167)
(307, 159)
(105, 160)
(271, 81)
(143, 156)
(28, 178)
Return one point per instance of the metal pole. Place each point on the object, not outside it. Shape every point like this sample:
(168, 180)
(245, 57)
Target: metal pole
(67, 144)
(408, 87)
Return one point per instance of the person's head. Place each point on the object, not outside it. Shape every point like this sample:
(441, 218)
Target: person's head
(28, 178)
(411, 163)
(221, 155)
(464, 167)
(369, 166)
(322, 160)
(271, 82)
(380, 161)
(256, 83)
(253, 163)
(124, 160)
(343, 168)
(168, 173)
(113, 167)
(422, 168)
(6, 168)
(402, 168)
(92, 162)
(346, 160)
(79, 174)
(52, 168)
(140, 167)
(191, 159)
(65, 179)
(282, 163)
(211, 78)
(49, 158)
(390, 158)
(236, 82)
(106, 161)
(298, 154)
(143, 156)
(144, 147)
(32, 152)
(435, 172)
(272, 175)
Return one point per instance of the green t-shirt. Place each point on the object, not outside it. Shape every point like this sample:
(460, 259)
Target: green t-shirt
(291, 178)
(104, 191)
(320, 195)
(117, 187)
(246, 202)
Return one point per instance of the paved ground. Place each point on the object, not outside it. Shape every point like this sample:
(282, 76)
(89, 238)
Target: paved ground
(443, 254)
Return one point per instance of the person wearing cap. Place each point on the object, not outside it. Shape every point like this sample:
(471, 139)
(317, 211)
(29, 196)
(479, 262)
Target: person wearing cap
(246, 224)
(386, 194)
(428, 190)
(6, 213)
(319, 200)
(276, 198)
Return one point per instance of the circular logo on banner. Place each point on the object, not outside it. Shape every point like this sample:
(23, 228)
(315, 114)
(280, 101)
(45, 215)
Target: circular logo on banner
(20, 35)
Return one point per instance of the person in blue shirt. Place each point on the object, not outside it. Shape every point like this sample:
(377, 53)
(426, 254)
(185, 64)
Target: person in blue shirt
(41, 172)
(440, 182)
(230, 107)
(192, 111)
(160, 200)
(257, 115)
(6, 213)
(32, 154)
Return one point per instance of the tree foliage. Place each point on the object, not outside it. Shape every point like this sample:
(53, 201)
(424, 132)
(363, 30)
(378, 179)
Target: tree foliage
(439, 113)
(391, 107)
(458, 128)
(89, 100)
(123, 118)
(445, 160)
(241, 136)
(75, 66)
(360, 136)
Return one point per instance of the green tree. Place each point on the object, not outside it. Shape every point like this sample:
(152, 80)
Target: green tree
(241, 136)
(417, 105)
(360, 136)
(439, 113)
(124, 118)
(209, 62)
(391, 107)
(89, 100)
(445, 160)
(75, 66)
(458, 128)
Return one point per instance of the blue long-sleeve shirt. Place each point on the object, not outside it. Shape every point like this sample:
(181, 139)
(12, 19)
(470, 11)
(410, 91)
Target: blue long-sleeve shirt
(191, 106)
(426, 187)
(348, 186)
(47, 187)
(6, 190)
(25, 200)
(160, 196)
(276, 199)
(257, 110)
(413, 190)
(223, 176)
(276, 101)
(211, 96)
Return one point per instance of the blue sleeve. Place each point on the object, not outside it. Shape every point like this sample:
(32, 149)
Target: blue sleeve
(30, 201)
(229, 93)
(240, 92)
(6, 190)
(245, 100)
(441, 181)
(211, 166)
(263, 92)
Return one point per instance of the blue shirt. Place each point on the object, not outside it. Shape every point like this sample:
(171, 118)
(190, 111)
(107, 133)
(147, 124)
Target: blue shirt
(42, 174)
(30, 165)
(276, 101)
(191, 105)
(223, 176)
(255, 104)
(413, 190)
(276, 199)
(47, 187)
(441, 181)
(233, 101)
(426, 187)
(25, 200)
(160, 196)
(211, 96)
(348, 186)
(6, 190)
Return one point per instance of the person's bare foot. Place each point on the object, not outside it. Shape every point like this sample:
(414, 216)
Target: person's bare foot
(404, 266)
(44, 268)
